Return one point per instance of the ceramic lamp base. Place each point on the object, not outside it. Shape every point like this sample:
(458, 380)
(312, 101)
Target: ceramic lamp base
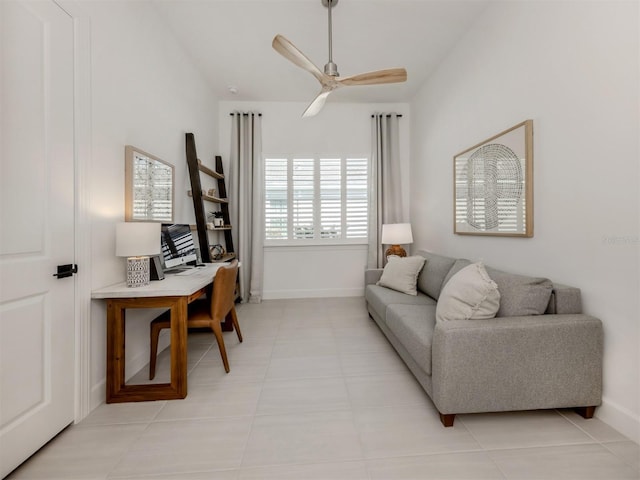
(138, 271)
(396, 250)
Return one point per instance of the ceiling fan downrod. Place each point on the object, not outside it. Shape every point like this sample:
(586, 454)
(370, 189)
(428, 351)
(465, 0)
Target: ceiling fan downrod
(330, 68)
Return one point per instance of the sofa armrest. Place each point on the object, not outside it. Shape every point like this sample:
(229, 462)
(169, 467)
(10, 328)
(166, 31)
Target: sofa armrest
(517, 363)
(564, 299)
(372, 275)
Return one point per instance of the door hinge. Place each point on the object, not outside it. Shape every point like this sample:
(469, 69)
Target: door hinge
(66, 270)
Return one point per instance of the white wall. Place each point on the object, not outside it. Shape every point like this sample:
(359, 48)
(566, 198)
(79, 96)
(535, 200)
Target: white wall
(572, 67)
(144, 92)
(340, 128)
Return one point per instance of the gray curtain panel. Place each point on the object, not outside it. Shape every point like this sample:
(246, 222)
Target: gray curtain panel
(385, 198)
(246, 201)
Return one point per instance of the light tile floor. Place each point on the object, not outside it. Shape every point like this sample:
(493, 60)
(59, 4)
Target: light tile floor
(316, 392)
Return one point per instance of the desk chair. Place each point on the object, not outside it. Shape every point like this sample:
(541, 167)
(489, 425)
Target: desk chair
(206, 313)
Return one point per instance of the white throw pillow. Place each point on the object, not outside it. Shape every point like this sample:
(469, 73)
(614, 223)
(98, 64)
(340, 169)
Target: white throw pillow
(469, 295)
(401, 273)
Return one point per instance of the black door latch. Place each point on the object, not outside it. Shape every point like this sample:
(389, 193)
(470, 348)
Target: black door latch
(66, 270)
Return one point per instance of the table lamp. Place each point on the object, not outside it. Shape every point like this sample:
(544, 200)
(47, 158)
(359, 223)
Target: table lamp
(137, 241)
(395, 234)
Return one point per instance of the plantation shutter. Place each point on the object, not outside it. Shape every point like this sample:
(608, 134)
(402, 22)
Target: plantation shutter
(276, 193)
(330, 198)
(316, 199)
(302, 210)
(356, 195)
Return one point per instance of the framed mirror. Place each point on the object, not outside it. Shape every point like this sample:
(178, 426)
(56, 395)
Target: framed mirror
(149, 187)
(493, 185)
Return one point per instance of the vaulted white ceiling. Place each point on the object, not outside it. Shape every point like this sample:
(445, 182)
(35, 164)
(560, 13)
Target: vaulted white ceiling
(230, 40)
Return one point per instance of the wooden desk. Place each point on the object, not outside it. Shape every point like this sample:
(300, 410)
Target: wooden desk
(175, 292)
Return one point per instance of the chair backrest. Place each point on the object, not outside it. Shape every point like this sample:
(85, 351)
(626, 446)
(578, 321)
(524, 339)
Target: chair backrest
(224, 287)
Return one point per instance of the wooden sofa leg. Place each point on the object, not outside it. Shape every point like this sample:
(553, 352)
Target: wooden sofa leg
(447, 419)
(585, 412)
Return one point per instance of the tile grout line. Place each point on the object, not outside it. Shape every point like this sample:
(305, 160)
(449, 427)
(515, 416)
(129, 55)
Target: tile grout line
(482, 448)
(603, 443)
(255, 415)
(351, 404)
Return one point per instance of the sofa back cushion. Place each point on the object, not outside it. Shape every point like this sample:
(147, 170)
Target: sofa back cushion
(457, 266)
(521, 295)
(435, 270)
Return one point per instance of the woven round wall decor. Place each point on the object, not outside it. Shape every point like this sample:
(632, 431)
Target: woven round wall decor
(494, 175)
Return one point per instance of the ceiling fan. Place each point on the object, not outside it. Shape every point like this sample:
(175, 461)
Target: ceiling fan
(330, 78)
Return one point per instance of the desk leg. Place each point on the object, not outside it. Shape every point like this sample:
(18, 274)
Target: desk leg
(179, 347)
(117, 391)
(115, 349)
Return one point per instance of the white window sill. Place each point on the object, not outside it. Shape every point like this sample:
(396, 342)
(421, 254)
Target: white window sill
(315, 243)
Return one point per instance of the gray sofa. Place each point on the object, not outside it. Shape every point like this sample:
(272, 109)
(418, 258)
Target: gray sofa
(507, 363)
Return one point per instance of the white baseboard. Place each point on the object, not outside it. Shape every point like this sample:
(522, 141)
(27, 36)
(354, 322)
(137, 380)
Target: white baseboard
(620, 418)
(138, 362)
(327, 293)
(141, 360)
(99, 391)
(98, 394)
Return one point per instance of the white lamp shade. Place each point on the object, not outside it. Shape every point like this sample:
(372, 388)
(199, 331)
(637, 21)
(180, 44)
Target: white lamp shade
(396, 234)
(136, 239)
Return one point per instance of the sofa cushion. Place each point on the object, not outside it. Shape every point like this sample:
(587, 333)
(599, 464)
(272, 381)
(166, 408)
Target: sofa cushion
(401, 273)
(414, 325)
(469, 295)
(431, 278)
(457, 266)
(379, 298)
(521, 295)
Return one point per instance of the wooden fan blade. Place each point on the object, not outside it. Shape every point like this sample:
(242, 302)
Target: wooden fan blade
(317, 103)
(392, 75)
(289, 51)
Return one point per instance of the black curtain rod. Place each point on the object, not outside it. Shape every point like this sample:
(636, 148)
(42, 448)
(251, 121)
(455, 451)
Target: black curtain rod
(245, 114)
(389, 115)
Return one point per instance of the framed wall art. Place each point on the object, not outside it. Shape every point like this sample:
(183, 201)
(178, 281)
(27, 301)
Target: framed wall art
(149, 187)
(493, 185)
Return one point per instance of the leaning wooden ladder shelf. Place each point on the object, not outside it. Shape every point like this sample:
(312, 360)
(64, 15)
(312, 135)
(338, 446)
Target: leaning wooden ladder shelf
(200, 199)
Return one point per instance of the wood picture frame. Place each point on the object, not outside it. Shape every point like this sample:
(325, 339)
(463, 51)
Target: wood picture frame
(149, 187)
(493, 185)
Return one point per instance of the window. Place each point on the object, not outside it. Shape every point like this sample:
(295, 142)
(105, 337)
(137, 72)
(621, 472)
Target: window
(316, 199)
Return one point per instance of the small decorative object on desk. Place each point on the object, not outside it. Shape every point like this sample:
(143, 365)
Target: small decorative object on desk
(217, 251)
(137, 241)
(218, 221)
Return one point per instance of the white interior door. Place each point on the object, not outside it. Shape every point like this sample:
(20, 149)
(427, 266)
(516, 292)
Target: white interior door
(36, 227)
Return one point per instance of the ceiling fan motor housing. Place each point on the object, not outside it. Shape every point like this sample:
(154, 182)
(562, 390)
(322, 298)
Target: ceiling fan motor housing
(331, 69)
